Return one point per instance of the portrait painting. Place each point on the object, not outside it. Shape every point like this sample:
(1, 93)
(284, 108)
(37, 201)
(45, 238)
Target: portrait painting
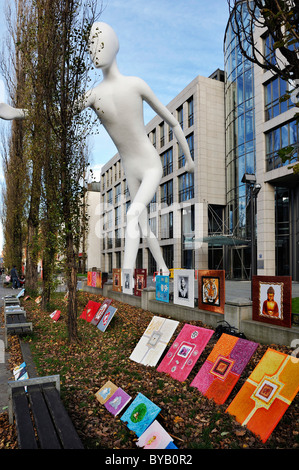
(272, 299)
(127, 281)
(183, 292)
(140, 281)
(211, 290)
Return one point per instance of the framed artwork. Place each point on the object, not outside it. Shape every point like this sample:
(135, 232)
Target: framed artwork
(162, 288)
(100, 311)
(99, 280)
(211, 290)
(140, 281)
(90, 310)
(154, 437)
(267, 393)
(272, 300)
(183, 291)
(140, 414)
(89, 278)
(185, 351)
(94, 279)
(154, 340)
(223, 367)
(106, 318)
(127, 281)
(116, 403)
(116, 280)
(106, 392)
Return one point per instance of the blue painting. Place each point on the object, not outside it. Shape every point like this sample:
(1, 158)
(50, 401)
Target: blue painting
(162, 288)
(140, 414)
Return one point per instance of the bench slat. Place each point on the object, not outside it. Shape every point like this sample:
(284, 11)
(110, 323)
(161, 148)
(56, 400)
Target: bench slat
(63, 423)
(26, 435)
(43, 422)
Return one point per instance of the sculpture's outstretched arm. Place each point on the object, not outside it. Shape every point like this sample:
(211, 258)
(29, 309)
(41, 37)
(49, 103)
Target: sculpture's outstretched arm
(8, 112)
(149, 96)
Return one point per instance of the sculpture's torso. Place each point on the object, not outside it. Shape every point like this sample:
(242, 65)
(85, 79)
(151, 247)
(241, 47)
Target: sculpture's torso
(119, 106)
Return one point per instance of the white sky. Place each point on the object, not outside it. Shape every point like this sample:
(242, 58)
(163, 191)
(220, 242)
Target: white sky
(165, 42)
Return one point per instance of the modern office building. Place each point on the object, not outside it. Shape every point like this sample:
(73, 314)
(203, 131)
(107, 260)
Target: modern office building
(257, 125)
(234, 123)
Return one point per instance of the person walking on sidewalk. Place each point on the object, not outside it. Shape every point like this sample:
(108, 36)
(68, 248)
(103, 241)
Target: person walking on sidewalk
(14, 278)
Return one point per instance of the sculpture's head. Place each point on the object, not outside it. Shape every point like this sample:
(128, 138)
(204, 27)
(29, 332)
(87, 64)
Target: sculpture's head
(103, 44)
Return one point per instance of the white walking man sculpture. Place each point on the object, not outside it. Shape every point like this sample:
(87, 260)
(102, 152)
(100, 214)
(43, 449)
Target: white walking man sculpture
(118, 102)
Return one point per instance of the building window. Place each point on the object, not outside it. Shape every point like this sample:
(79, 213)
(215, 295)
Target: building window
(109, 240)
(117, 216)
(109, 197)
(153, 225)
(279, 138)
(152, 207)
(162, 134)
(180, 115)
(186, 187)
(170, 134)
(109, 219)
(274, 91)
(181, 157)
(167, 193)
(117, 193)
(154, 140)
(167, 162)
(168, 255)
(190, 112)
(118, 238)
(166, 226)
(269, 49)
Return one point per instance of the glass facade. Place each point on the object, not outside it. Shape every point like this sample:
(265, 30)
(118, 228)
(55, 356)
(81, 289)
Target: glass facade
(240, 141)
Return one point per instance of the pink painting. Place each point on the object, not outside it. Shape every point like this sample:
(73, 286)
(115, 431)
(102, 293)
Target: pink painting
(154, 437)
(185, 351)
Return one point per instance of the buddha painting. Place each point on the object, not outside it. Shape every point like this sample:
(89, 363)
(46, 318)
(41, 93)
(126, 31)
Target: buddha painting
(270, 307)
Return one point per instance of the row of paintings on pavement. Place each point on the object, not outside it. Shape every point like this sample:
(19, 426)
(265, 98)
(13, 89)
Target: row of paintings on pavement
(271, 295)
(259, 405)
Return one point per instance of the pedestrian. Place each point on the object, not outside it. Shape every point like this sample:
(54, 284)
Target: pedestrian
(15, 278)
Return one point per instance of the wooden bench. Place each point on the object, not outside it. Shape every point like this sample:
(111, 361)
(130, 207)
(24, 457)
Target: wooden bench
(15, 323)
(41, 420)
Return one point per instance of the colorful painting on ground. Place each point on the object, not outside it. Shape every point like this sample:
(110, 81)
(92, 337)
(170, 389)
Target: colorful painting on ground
(90, 310)
(154, 341)
(162, 288)
(185, 351)
(154, 437)
(116, 403)
(183, 290)
(127, 281)
(140, 414)
(55, 315)
(211, 290)
(89, 278)
(106, 318)
(116, 280)
(140, 281)
(272, 300)
(106, 392)
(100, 312)
(223, 367)
(267, 393)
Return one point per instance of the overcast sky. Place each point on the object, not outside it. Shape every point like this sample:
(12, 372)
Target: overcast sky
(165, 42)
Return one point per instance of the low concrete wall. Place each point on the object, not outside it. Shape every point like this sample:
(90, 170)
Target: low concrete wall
(237, 314)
